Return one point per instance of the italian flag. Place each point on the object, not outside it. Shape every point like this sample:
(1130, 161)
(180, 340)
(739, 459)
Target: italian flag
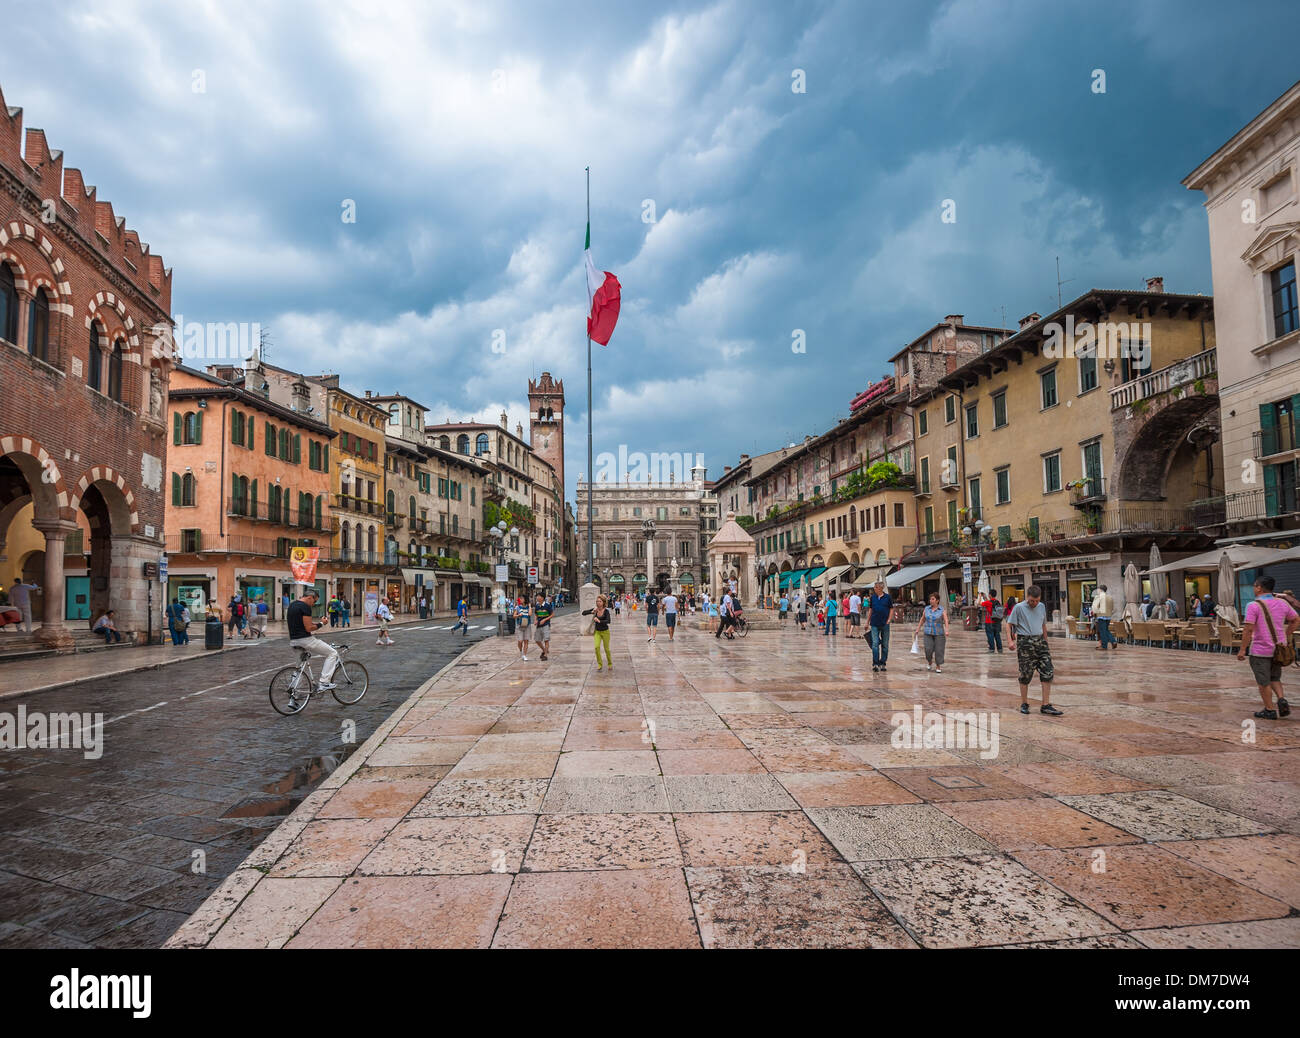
(603, 293)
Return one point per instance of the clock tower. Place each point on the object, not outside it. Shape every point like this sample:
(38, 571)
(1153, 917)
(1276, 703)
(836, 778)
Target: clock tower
(546, 422)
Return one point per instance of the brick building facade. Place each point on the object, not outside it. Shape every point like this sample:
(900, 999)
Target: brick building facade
(85, 359)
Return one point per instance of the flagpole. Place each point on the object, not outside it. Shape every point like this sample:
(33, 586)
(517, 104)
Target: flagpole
(591, 555)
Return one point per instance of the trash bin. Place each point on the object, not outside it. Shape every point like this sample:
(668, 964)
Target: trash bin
(510, 625)
(214, 633)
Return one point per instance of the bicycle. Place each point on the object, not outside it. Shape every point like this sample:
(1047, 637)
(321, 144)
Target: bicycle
(293, 687)
(739, 627)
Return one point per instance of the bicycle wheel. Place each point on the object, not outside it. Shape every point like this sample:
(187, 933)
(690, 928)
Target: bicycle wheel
(350, 682)
(742, 628)
(290, 690)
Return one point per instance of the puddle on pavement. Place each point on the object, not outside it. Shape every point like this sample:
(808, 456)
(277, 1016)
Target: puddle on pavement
(284, 794)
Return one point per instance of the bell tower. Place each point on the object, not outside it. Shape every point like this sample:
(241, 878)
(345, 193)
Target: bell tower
(546, 421)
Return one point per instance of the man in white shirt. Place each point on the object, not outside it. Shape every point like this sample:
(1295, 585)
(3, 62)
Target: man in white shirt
(855, 612)
(669, 605)
(1102, 607)
(20, 599)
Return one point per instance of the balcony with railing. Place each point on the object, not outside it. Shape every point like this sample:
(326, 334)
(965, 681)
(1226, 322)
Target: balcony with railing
(194, 542)
(1188, 371)
(260, 511)
(1280, 439)
(356, 505)
(1088, 491)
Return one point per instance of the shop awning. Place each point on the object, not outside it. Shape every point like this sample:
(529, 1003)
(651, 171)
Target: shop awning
(911, 574)
(429, 577)
(812, 574)
(791, 576)
(828, 576)
(484, 580)
(869, 574)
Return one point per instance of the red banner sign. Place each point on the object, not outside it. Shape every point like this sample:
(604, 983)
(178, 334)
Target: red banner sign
(303, 563)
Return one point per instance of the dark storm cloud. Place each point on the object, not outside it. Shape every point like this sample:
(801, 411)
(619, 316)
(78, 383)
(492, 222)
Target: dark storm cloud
(460, 131)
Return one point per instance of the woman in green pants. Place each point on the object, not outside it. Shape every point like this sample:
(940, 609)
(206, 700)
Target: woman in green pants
(601, 635)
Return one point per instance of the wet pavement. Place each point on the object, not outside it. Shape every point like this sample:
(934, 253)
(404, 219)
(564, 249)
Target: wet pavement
(759, 793)
(196, 769)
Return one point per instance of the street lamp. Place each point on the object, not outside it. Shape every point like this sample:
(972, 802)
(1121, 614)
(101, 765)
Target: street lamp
(980, 534)
(499, 533)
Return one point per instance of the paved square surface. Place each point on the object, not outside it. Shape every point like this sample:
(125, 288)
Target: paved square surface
(758, 793)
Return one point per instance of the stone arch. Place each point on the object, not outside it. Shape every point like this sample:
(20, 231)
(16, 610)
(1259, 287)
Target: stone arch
(117, 496)
(837, 558)
(45, 481)
(1143, 467)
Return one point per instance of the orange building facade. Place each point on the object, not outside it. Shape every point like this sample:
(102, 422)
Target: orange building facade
(248, 479)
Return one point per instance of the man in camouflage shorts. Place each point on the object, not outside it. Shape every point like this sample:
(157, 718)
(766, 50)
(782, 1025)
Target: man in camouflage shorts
(1027, 628)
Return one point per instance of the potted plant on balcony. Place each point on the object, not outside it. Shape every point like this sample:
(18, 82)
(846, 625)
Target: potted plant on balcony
(1030, 532)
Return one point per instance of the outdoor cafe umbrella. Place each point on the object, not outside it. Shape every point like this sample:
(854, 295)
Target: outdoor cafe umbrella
(984, 583)
(1159, 584)
(1227, 607)
(943, 590)
(1132, 593)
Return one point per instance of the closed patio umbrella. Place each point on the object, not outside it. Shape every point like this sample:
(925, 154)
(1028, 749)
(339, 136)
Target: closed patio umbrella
(1227, 607)
(1132, 593)
(1159, 585)
(943, 590)
(984, 582)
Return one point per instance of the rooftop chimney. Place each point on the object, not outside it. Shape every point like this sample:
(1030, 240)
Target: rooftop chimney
(1155, 284)
(954, 319)
(505, 422)
(1029, 319)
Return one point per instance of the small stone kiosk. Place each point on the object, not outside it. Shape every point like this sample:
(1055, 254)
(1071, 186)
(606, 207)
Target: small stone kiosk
(732, 555)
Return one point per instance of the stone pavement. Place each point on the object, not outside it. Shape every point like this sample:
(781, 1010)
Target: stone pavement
(748, 793)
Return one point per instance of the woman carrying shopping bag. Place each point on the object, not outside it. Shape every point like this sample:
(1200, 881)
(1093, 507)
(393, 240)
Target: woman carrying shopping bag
(933, 630)
(598, 626)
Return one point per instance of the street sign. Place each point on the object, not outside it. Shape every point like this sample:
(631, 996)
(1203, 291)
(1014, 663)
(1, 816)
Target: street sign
(965, 573)
(532, 574)
(503, 574)
(162, 568)
(968, 558)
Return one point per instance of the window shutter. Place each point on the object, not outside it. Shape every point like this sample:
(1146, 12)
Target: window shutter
(325, 457)
(176, 489)
(268, 433)
(198, 427)
(252, 431)
(176, 428)
(1270, 488)
(318, 512)
(198, 540)
(234, 426)
(297, 448)
(252, 499)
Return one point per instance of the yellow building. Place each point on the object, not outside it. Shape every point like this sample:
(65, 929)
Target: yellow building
(1069, 449)
(359, 531)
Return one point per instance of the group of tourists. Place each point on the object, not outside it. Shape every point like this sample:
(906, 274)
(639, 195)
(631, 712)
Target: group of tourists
(524, 613)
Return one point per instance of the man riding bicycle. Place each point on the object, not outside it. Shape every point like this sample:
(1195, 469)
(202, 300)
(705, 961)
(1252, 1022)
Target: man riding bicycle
(301, 626)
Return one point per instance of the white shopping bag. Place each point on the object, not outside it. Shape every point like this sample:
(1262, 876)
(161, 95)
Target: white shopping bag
(916, 647)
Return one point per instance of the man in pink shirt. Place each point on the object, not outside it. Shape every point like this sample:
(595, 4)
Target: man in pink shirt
(1262, 633)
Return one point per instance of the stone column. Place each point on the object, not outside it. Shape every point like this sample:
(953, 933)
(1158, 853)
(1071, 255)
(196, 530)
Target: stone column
(129, 589)
(650, 562)
(54, 630)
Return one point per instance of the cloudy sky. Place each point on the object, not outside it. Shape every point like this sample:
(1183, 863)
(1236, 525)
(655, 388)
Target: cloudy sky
(735, 207)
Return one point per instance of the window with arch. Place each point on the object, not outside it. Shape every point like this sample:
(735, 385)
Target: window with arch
(275, 498)
(410, 506)
(187, 428)
(390, 505)
(184, 489)
(95, 358)
(481, 443)
(445, 443)
(371, 541)
(115, 360)
(238, 495)
(8, 305)
(462, 443)
(38, 326)
(345, 537)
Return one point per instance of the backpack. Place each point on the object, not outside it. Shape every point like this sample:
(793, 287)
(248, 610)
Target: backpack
(999, 612)
(261, 608)
(239, 608)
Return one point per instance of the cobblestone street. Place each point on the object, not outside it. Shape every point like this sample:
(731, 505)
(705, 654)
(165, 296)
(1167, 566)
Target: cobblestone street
(102, 852)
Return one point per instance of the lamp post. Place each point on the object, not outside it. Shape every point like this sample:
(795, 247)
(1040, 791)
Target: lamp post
(979, 533)
(648, 532)
(499, 533)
